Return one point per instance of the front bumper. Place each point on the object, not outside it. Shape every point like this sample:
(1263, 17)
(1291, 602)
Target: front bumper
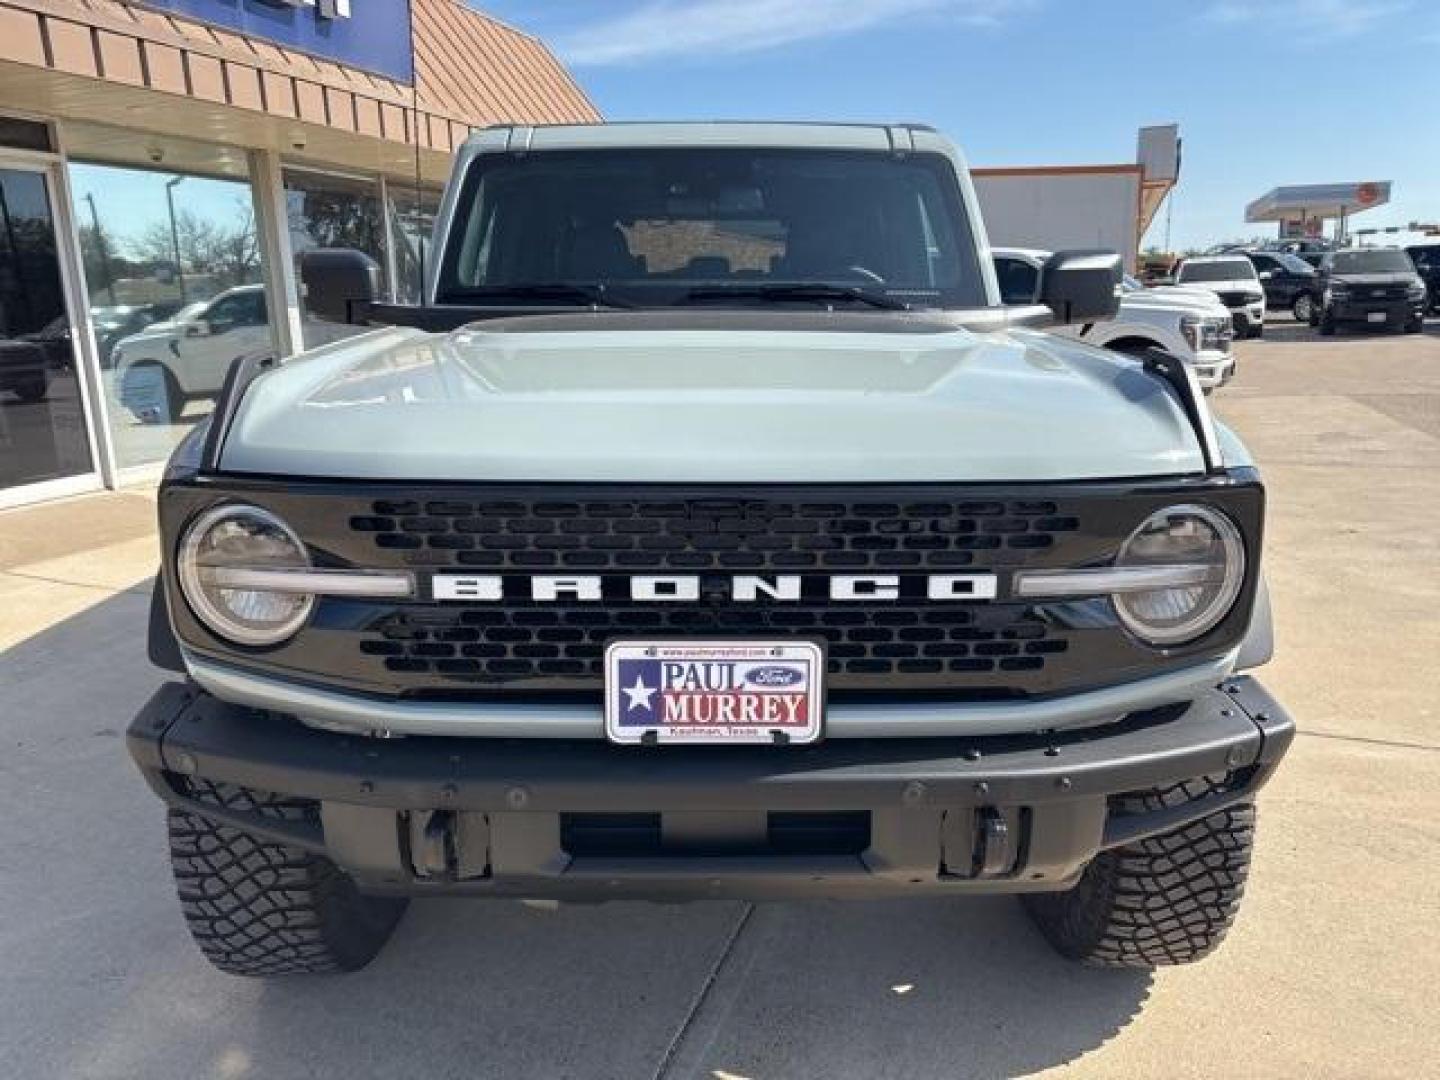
(582, 820)
(1395, 312)
(1246, 317)
(1214, 369)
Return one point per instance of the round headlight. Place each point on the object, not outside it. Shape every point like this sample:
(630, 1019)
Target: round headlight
(220, 551)
(1193, 537)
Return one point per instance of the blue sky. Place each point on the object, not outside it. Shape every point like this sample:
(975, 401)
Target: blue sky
(1266, 92)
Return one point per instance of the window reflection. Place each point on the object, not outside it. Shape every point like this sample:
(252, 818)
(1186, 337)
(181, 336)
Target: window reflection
(328, 211)
(42, 420)
(173, 265)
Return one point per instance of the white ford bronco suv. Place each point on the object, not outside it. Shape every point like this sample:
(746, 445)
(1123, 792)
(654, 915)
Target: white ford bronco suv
(712, 531)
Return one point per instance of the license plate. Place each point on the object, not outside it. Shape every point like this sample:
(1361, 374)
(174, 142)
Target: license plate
(714, 691)
(1376, 316)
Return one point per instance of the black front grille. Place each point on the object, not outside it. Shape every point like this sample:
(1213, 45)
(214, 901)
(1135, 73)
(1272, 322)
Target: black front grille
(703, 534)
(471, 650)
(1232, 299)
(485, 645)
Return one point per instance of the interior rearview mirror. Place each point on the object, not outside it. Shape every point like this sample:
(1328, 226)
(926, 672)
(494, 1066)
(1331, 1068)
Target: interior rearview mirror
(1081, 286)
(338, 283)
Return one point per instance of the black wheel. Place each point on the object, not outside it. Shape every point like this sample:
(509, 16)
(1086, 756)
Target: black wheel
(260, 908)
(1327, 324)
(33, 389)
(152, 393)
(1166, 900)
(1302, 308)
(1258, 330)
(1415, 326)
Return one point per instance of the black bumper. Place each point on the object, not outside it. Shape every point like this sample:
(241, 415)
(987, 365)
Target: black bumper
(585, 820)
(1396, 312)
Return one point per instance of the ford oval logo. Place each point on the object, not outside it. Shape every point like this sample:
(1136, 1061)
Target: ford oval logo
(774, 675)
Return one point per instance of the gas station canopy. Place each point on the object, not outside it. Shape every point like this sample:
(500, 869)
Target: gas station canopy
(1310, 202)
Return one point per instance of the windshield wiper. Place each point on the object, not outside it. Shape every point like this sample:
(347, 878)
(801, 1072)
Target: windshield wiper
(560, 292)
(817, 292)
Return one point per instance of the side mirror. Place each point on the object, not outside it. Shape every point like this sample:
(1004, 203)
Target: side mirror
(337, 282)
(1081, 286)
(198, 328)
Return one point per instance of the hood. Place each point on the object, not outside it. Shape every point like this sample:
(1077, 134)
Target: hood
(710, 397)
(1245, 285)
(1399, 277)
(1191, 302)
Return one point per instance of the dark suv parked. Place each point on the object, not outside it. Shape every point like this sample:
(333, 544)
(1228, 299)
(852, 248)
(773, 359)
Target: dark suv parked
(1288, 281)
(1426, 258)
(1374, 286)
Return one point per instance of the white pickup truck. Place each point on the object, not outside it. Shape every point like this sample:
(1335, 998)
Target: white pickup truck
(1189, 323)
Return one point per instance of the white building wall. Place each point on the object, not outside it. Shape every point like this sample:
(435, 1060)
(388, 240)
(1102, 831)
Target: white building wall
(1057, 210)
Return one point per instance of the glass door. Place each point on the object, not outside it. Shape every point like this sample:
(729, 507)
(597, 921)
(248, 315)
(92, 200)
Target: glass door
(43, 435)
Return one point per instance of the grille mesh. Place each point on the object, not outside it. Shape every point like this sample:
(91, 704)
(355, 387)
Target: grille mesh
(714, 533)
(483, 644)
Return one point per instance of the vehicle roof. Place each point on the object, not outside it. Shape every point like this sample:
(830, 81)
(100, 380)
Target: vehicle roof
(1238, 256)
(1038, 254)
(719, 133)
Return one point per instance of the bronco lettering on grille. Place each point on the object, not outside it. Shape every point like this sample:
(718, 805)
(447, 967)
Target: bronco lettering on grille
(679, 588)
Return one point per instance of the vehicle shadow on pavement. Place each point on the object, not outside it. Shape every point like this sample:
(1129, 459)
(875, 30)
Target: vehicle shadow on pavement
(1288, 332)
(100, 978)
(909, 989)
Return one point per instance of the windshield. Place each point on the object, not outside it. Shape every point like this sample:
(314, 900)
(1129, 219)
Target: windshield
(1293, 263)
(649, 226)
(1218, 270)
(1372, 262)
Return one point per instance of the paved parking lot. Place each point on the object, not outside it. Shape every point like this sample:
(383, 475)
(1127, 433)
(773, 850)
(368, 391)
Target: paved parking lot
(1329, 972)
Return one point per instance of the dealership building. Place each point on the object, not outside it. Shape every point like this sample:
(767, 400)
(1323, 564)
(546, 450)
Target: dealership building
(163, 162)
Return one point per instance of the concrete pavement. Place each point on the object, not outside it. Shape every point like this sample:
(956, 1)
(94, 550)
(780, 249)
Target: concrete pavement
(1328, 972)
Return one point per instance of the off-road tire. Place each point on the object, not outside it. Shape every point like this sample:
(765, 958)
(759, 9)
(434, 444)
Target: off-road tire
(1166, 900)
(32, 390)
(256, 907)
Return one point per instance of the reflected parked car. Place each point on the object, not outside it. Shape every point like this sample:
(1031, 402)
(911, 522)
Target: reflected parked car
(28, 360)
(169, 363)
(118, 321)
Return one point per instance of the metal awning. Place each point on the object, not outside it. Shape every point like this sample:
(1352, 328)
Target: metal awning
(1306, 202)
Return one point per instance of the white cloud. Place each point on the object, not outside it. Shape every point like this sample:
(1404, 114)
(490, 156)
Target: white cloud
(670, 28)
(1310, 20)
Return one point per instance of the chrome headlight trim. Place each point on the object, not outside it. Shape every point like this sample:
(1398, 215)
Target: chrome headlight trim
(195, 588)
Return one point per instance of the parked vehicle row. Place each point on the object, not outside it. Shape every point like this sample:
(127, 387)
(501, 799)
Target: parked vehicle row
(1376, 287)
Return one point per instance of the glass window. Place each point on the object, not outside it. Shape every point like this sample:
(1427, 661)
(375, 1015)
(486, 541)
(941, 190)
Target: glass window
(328, 211)
(1216, 270)
(1377, 261)
(651, 225)
(42, 418)
(1018, 280)
(169, 257)
(412, 221)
